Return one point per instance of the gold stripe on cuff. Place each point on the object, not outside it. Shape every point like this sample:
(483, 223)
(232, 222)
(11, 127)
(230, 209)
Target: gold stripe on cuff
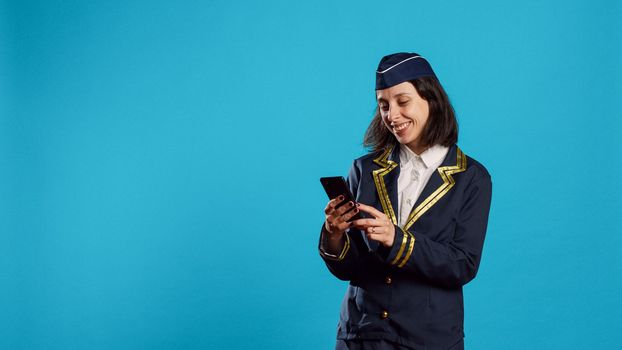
(345, 248)
(410, 250)
(342, 255)
(399, 252)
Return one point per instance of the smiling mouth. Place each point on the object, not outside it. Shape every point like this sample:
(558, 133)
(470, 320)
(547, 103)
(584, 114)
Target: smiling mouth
(401, 127)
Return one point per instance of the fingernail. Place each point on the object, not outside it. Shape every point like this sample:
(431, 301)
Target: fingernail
(356, 210)
(358, 205)
(351, 204)
(340, 197)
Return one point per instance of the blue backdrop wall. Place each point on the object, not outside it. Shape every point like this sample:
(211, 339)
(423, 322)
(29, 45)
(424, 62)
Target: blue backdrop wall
(160, 164)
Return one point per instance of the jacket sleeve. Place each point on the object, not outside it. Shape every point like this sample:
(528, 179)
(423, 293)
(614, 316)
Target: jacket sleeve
(453, 263)
(343, 264)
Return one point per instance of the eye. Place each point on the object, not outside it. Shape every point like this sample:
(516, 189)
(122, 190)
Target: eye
(403, 102)
(383, 106)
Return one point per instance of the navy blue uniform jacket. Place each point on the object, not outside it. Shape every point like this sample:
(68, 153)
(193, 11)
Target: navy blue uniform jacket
(411, 293)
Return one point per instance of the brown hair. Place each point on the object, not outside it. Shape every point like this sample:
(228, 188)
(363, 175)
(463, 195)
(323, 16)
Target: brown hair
(441, 128)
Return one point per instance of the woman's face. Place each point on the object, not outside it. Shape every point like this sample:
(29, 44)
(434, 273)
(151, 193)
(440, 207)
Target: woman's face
(404, 113)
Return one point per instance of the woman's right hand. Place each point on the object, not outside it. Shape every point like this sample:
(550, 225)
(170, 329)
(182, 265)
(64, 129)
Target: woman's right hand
(336, 221)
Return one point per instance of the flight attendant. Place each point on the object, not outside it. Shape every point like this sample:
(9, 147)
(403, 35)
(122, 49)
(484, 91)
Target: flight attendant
(426, 208)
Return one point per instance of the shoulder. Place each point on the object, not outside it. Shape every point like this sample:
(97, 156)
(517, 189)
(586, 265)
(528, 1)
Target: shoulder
(475, 171)
(367, 160)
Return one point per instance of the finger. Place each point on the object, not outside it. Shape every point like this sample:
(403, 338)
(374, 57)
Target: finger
(365, 223)
(371, 210)
(342, 220)
(332, 204)
(336, 224)
(344, 208)
(337, 217)
(347, 216)
(376, 237)
(337, 212)
(338, 200)
(343, 226)
(339, 223)
(375, 230)
(329, 208)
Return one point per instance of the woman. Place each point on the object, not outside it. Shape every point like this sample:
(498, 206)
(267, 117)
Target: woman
(426, 205)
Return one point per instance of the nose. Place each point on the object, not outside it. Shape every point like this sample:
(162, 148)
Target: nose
(392, 114)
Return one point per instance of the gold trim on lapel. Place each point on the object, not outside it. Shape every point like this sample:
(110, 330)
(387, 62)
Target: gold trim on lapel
(446, 173)
(378, 174)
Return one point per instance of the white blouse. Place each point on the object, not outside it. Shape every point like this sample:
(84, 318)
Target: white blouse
(415, 171)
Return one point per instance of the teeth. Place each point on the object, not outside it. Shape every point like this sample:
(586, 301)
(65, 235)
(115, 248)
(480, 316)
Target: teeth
(401, 126)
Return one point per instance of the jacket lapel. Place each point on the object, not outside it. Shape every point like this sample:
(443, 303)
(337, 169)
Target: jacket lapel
(385, 179)
(439, 184)
(390, 181)
(435, 180)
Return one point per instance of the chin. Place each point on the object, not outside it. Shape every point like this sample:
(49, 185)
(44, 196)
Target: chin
(404, 140)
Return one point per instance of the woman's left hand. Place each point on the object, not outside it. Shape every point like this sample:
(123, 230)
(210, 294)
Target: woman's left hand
(380, 228)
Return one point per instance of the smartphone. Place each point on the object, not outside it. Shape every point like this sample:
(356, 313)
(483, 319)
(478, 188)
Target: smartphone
(335, 186)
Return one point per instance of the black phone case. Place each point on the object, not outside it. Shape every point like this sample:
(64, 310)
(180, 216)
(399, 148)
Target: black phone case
(336, 186)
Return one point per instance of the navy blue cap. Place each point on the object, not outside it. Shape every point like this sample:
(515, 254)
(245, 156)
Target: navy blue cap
(400, 67)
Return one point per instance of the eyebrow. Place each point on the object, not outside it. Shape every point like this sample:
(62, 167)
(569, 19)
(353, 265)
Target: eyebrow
(396, 95)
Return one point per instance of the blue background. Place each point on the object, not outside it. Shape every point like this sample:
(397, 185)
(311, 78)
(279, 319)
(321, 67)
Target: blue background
(160, 161)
